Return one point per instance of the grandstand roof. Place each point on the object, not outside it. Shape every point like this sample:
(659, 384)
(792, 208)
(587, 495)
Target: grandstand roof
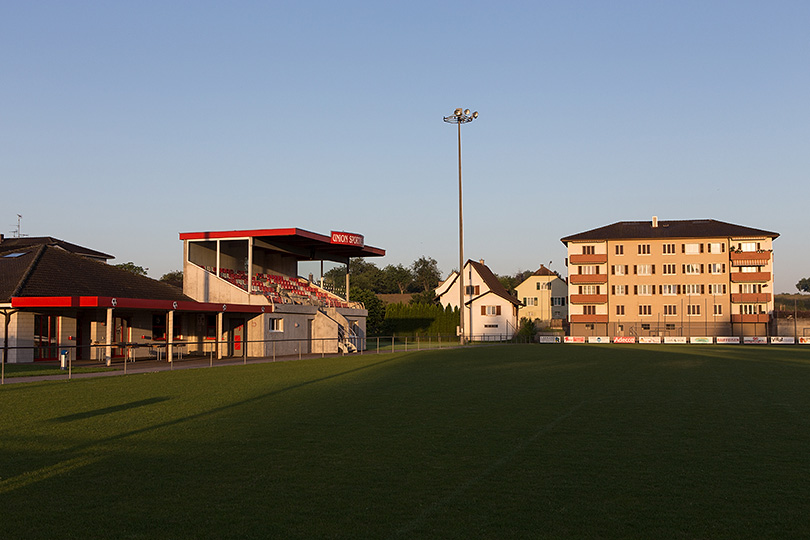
(307, 244)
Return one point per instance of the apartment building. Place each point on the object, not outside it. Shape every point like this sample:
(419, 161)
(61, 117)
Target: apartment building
(670, 278)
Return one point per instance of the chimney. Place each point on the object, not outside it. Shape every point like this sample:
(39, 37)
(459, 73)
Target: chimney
(655, 222)
(2, 237)
(481, 261)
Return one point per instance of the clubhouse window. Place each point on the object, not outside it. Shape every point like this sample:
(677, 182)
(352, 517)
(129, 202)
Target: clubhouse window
(276, 324)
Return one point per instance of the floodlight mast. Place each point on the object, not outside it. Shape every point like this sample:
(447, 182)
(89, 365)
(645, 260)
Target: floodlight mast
(461, 116)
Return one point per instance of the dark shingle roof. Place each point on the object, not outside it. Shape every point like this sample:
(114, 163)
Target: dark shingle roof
(32, 241)
(493, 283)
(543, 271)
(688, 228)
(51, 271)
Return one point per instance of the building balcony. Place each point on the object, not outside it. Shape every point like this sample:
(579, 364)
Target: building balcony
(588, 298)
(579, 279)
(588, 318)
(750, 277)
(758, 318)
(596, 258)
(749, 258)
(750, 298)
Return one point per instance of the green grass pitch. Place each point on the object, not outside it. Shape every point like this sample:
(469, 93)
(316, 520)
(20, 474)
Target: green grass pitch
(510, 441)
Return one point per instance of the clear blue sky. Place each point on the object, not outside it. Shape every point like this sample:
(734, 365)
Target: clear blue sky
(125, 123)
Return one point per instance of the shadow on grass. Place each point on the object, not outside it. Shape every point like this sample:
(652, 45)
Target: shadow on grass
(108, 410)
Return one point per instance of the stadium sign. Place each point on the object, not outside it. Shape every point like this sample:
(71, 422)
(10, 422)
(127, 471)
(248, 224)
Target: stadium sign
(574, 339)
(598, 339)
(804, 340)
(624, 339)
(728, 339)
(674, 339)
(649, 339)
(755, 340)
(700, 340)
(783, 340)
(548, 339)
(348, 239)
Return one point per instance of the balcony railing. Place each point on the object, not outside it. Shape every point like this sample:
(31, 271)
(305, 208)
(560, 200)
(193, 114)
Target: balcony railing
(750, 298)
(591, 258)
(577, 279)
(757, 318)
(588, 298)
(750, 277)
(749, 258)
(588, 318)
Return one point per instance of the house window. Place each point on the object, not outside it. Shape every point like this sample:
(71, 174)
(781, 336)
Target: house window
(749, 269)
(693, 309)
(748, 246)
(490, 311)
(644, 249)
(669, 249)
(750, 288)
(750, 309)
(692, 249)
(588, 270)
(589, 289)
(472, 290)
(557, 300)
(543, 286)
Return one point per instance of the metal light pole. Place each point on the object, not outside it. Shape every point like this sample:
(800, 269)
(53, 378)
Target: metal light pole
(459, 117)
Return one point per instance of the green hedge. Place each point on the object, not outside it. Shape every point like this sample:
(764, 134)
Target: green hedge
(419, 319)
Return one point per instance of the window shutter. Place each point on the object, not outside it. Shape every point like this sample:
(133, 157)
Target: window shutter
(653, 289)
(723, 247)
(679, 289)
(701, 248)
(626, 269)
(635, 269)
(613, 270)
(683, 269)
(709, 247)
(660, 289)
(635, 289)
(613, 290)
(724, 288)
(702, 288)
(497, 310)
(724, 268)
(683, 248)
(653, 269)
(483, 310)
(701, 268)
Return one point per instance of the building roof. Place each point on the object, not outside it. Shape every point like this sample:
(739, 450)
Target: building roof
(29, 241)
(492, 282)
(50, 271)
(543, 271)
(688, 228)
(306, 244)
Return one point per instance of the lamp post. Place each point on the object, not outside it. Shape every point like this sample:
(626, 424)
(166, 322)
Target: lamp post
(459, 117)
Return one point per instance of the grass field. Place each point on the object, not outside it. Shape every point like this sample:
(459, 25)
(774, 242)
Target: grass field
(511, 441)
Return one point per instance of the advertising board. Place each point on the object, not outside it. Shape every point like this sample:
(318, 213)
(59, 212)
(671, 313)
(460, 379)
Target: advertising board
(548, 339)
(574, 339)
(755, 340)
(674, 339)
(598, 339)
(624, 339)
(649, 339)
(783, 340)
(701, 340)
(728, 339)
(804, 341)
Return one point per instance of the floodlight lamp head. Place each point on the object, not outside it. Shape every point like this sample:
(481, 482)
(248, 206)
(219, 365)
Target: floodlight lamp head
(475, 114)
(457, 112)
(466, 112)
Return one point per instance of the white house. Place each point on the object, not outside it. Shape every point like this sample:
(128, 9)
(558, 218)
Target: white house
(490, 312)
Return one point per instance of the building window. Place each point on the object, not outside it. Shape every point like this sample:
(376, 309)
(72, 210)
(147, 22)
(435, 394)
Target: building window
(589, 289)
(645, 269)
(644, 249)
(693, 289)
(717, 288)
(490, 326)
(669, 249)
(543, 286)
(693, 309)
(749, 269)
(619, 310)
(717, 268)
(716, 247)
(670, 290)
(718, 309)
(669, 269)
(619, 290)
(589, 326)
(751, 309)
(750, 288)
(748, 246)
(491, 311)
(589, 310)
(645, 326)
(670, 326)
(692, 249)
(691, 269)
(670, 309)
(645, 310)
(619, 249)
(557, 300)
(588, 250)
(619, 269)
(588, 270)
(646, 290)
(472, 290)
(276, 324)
(45, 338)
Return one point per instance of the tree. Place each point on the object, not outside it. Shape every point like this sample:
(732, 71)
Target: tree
(375, 307)
(426, 273)
(131, 267)
(424, 297)
(803, 285)
(396, 279)
(173, 278)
